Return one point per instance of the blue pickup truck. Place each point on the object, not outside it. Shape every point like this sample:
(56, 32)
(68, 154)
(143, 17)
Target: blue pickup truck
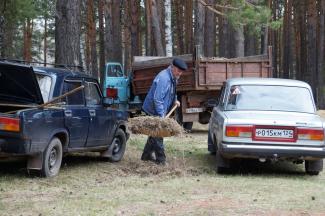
(48, 112)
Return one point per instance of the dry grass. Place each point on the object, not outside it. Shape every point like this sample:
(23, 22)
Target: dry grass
(188, 185)
(155, 126)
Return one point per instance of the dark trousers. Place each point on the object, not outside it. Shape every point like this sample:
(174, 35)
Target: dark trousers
(154, 145)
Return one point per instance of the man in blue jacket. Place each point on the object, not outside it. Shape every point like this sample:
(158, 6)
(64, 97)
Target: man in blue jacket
(159, 100)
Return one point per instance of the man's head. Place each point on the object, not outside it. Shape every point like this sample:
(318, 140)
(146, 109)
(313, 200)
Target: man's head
(179, 66)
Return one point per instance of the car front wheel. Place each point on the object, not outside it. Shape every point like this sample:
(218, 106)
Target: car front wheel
(52, 158)
(119, 146)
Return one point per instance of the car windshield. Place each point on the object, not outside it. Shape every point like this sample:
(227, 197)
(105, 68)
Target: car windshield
(267, 97)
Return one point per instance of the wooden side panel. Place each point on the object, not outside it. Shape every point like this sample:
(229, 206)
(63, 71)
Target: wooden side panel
(143, 77)
(212, 74)
(202, 74)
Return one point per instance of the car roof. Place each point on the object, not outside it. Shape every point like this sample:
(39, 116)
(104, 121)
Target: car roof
(266, 81)
(61, 72)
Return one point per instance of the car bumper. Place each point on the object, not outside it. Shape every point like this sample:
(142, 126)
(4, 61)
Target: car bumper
(14, 146)
(232, 150)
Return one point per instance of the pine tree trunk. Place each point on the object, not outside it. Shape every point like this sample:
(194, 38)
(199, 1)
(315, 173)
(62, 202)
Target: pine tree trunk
(199, 26)
(168, 30)
(223, 37)
(188, 26)
(321, 49)
(127, 35)
(179, 27)
(250, 42)
(91, 35)
(157, 29)
(287, 39)
(239, 45)
(67, 32)
(162, 24)
(148, 27)
(101, 40)
(113, 31)
(28, 30)
(312, 45)
(135, 28)
(2, 27)
(45, 41)
(210, 31)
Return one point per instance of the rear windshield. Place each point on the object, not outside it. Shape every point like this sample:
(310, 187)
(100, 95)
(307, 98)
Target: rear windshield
(266, 97)
(44, 83)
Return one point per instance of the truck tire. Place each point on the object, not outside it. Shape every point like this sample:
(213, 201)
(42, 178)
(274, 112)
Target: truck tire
(52, 158)
(119, 147)
(179, 118)
(313, 167)
(188, 126)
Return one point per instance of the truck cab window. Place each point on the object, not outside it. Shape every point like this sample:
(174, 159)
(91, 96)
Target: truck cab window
(92, 94)
(114, 71)
(75, 98)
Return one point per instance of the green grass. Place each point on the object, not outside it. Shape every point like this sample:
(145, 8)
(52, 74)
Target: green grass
(188, 185)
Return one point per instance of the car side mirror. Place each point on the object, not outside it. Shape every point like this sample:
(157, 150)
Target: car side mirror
(108, 101)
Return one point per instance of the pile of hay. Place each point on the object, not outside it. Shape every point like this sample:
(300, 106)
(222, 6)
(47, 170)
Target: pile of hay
(155, 126)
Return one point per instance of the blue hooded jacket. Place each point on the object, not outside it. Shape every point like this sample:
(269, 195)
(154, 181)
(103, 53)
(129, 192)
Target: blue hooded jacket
(162, 94)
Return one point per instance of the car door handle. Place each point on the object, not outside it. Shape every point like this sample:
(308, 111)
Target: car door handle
(68, 113)
(92, 112)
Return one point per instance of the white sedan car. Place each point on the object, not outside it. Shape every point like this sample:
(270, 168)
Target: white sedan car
(267, 118)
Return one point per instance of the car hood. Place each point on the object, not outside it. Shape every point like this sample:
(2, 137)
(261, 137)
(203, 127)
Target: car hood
(18, 84)
(274, 118)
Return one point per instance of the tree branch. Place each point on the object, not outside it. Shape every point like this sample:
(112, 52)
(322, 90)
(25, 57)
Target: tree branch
(211, 8)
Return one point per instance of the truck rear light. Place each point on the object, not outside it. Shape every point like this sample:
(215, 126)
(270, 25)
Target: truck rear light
(111, 92)
(9, 124)
(239, 131)
(310, 134)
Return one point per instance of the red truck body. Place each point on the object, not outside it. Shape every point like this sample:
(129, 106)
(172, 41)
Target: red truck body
(200, 85)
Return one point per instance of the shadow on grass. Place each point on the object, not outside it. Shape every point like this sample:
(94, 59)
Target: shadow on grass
(76, 160)
(254, 167)
(249, 167)
(197, 131)
(17, 167)
(13, 167)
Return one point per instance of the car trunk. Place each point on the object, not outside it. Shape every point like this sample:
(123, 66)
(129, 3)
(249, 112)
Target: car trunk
(19, 88)
(304, 126)
(276, 118)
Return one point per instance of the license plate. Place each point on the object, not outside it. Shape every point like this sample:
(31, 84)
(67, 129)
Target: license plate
(274, 133)
(194, 110)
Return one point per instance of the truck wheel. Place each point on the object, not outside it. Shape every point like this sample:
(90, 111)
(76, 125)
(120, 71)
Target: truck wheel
(179, 118)
(188, 126)
(313, 167)
(119, 145)
(52, 158)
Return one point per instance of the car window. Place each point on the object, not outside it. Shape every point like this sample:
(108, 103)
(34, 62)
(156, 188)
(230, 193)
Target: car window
(92, 94)
(75, 98)
(44, 83)
(266, 97)
(222, 96)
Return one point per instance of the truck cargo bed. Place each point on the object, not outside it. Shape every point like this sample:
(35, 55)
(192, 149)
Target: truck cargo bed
(204, 73)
